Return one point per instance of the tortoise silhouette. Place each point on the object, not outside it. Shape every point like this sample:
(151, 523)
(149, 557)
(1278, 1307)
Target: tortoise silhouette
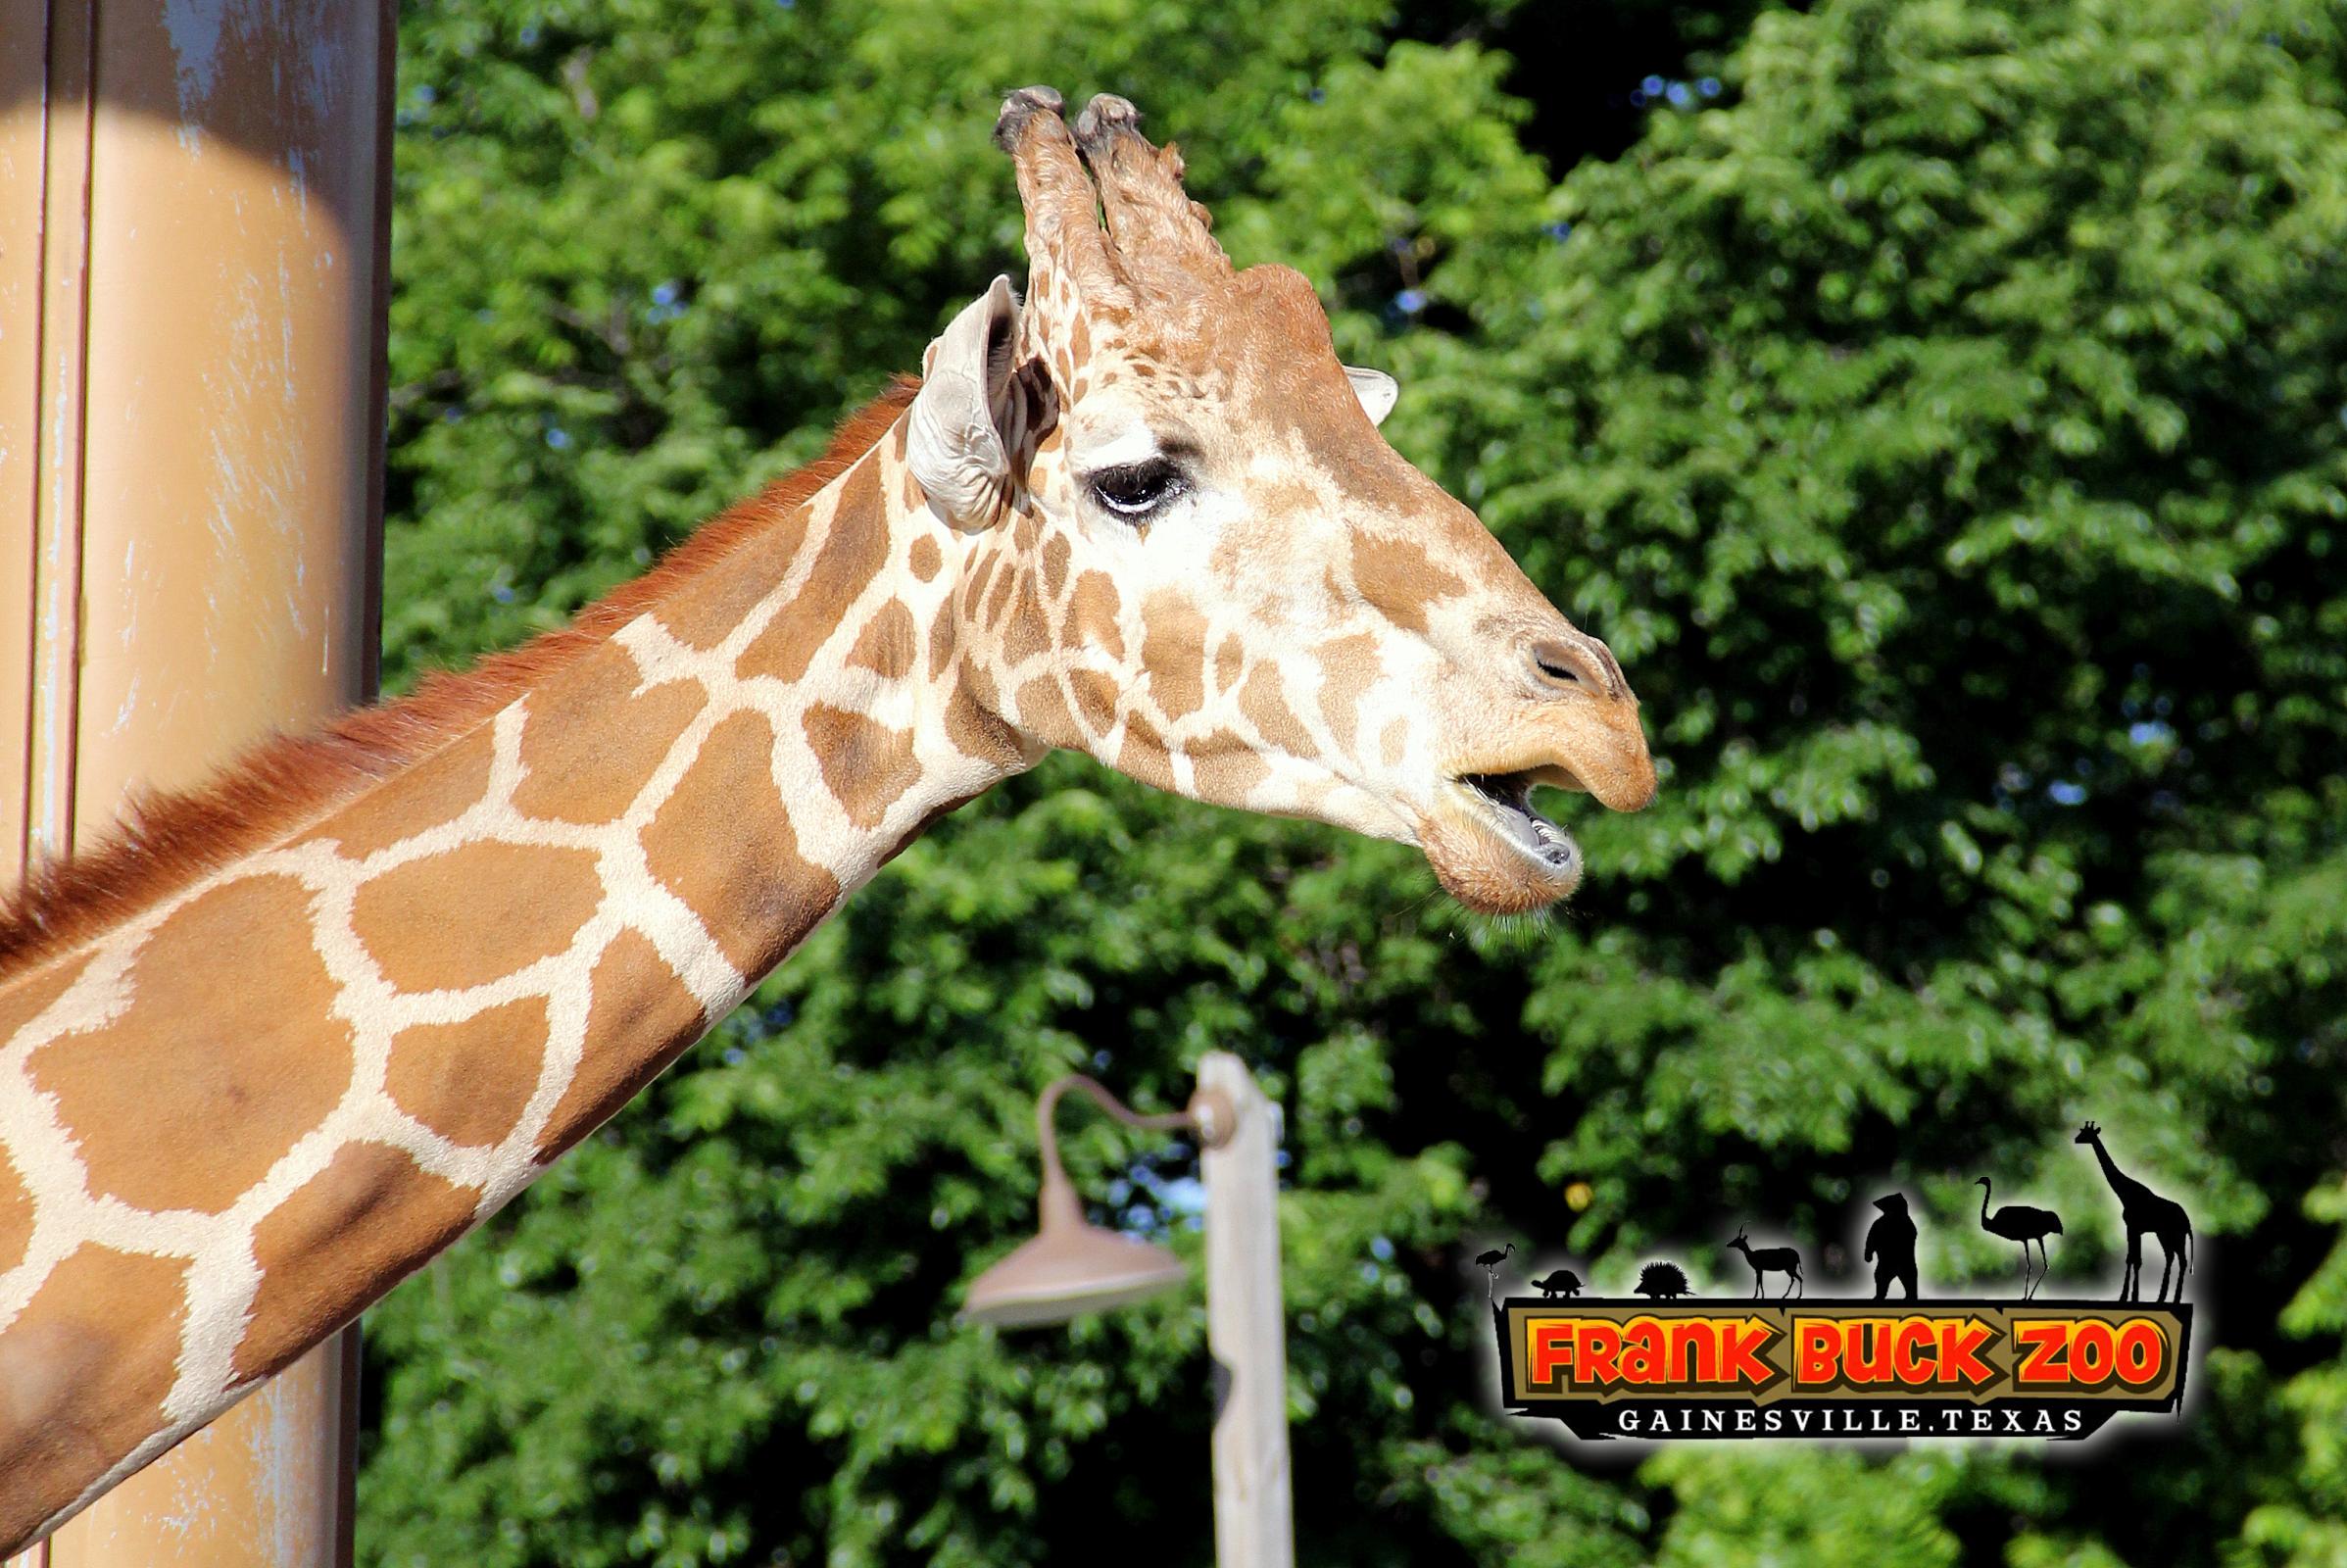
(1663, 1281)
(1564, 1282)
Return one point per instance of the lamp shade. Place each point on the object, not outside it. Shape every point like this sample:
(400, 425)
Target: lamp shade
(1065, 1272)
(1070, 1267)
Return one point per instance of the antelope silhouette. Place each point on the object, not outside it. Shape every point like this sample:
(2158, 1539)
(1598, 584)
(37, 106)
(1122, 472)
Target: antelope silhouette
(1769, 1260)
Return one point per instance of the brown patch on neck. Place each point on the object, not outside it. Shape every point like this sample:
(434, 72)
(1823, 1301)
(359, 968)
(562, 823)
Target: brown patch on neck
(640, 1017)
(472, 914)
(165, 843)
(756, 906)
(854, 549)
(469, 1080)
(83, 1371)
(866, 765)
(340, 1240)
(269, 1059)
(16, 1217)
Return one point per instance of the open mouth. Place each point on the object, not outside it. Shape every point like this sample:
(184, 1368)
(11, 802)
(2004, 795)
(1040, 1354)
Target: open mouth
(1503, 803)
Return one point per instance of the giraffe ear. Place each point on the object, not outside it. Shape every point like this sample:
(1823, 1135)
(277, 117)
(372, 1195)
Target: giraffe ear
(1376, 389)
(954, 444)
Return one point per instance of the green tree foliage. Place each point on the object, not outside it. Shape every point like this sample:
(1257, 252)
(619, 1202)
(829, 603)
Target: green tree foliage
(1946, 419)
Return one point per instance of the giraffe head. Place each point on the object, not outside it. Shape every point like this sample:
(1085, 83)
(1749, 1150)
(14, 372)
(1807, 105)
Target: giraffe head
(1191, 554)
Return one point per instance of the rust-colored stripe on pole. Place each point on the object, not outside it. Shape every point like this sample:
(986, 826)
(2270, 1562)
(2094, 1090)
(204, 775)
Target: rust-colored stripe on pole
(62, 359)
(192, 558)
(24, 169)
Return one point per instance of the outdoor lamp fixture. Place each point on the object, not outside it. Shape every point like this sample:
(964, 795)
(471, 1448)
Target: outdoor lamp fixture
(1072, 1265)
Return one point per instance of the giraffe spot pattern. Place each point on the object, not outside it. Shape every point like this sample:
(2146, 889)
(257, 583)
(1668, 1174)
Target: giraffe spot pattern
(1043, 712)
(640, 1017)
(468, 1081)
(973, 725)
(1004, 581)
(593, 741)
(854, 549)
(973, 588)
(1029, 634)
(866, 765)
(1229, 663)
(1349, 667)
(926, 557)
(1396, 578)
(1095, 699)
(1396, 741)
(373, 1215)
(756, 906)
(942, 638)
(1173, 649)
(1143, 755)
(1054, 564)
(1091, 615)
(705, 611)
(16, 1216)
(1226, 767)
(28, 995)
(440, 789)
(888, 643)
(268, 1062)
(474, 913)
(1263, 700)
(84, 1369)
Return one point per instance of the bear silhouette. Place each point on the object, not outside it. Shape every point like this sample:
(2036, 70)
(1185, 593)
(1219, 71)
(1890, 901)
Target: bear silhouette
(1890, 1245)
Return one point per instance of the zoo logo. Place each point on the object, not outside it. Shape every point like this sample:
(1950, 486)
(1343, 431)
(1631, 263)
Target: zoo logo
(1660, 1363)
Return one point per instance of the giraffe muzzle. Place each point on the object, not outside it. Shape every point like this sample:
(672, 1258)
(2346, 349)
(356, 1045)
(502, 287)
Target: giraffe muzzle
(1487, 844)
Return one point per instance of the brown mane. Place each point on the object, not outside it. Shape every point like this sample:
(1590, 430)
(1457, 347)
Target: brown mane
(163, 843)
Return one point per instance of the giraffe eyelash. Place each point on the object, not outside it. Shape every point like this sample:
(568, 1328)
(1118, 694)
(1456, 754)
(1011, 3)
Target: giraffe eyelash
(1137, 491)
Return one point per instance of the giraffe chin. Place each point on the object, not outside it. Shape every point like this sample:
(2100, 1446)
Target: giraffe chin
(1493, 853)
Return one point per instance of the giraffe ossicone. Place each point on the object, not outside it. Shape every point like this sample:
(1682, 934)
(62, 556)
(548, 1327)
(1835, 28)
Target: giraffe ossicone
(286, 1039)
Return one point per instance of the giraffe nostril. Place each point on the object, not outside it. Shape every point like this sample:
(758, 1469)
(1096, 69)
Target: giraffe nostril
(1561, 662)
(1576, 661)
(1555, 669)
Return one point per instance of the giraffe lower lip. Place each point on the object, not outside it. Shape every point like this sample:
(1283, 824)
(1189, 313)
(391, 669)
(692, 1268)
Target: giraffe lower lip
(1504, 804)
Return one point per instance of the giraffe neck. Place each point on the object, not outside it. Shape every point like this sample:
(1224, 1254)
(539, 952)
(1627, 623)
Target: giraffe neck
(245, 1112)
(2125, 1186)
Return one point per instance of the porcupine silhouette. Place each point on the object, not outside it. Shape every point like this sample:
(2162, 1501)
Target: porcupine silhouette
(1663, 1281)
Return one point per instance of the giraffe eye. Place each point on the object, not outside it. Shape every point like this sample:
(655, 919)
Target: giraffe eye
(1135, 490)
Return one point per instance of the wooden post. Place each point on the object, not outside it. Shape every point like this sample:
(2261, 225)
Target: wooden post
(1246, 1327)
(193, 243)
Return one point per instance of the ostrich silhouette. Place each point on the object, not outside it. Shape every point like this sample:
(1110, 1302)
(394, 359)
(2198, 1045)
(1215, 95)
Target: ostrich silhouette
(1490, 1263)
(2018, 1222)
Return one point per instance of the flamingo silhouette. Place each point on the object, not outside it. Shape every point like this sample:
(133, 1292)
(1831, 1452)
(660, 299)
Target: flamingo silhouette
(2019, 1222)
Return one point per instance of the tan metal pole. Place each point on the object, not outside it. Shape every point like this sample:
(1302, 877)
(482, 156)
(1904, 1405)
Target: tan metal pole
(1247, 1328)
(193, 233)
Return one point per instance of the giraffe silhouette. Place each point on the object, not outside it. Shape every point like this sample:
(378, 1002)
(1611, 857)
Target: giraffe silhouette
(2144, 1210)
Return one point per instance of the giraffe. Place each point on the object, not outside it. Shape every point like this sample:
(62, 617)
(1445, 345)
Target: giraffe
(2144, 1210)
(280, 1042)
